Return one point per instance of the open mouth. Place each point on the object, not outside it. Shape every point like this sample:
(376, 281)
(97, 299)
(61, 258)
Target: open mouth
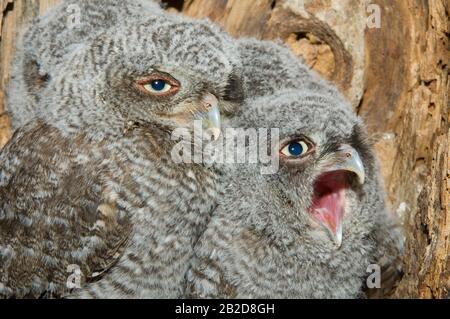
(328, 205)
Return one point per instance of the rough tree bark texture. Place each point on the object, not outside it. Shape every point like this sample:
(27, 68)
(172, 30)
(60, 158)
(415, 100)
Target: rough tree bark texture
(396, 76)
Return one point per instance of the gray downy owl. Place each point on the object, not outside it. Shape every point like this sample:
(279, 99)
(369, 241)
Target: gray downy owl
(92, 204)
(311, 229)
(52, 38)
(270, 67)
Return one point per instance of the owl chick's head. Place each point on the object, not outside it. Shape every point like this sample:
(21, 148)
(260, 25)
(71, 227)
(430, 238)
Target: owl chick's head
(166, 71)
(325, 187)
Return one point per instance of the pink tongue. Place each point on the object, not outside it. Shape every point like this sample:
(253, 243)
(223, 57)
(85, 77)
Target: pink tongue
(328, 209)
(328, 202)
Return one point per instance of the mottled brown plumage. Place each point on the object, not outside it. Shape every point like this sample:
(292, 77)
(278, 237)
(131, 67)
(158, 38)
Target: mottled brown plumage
(50, 205)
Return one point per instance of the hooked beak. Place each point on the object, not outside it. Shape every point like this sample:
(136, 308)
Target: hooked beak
(328, 206)
(211, 118)
(350, 161)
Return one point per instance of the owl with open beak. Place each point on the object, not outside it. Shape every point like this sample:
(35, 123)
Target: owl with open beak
(312, 228)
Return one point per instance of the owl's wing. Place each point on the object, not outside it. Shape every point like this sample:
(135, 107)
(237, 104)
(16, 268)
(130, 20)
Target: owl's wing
(207, 276)
(57, 219)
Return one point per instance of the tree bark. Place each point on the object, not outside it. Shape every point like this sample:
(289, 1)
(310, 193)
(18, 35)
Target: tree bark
(395, 75)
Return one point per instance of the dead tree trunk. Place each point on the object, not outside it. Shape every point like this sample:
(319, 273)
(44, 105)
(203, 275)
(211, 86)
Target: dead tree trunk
(391, 59)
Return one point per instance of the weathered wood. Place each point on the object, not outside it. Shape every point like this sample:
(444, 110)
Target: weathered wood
(396, 77)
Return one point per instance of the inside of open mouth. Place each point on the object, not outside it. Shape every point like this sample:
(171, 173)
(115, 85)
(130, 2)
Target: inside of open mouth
(328, 203)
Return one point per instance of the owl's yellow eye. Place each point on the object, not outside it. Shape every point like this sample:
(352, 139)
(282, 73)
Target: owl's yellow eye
(296, 148)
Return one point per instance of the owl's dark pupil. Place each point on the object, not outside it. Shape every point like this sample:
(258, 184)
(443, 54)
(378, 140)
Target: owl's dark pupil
(295, 149)
(158, 85)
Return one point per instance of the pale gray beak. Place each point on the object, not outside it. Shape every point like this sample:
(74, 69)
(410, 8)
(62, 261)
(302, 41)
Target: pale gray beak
(349, 160)
(211, 119)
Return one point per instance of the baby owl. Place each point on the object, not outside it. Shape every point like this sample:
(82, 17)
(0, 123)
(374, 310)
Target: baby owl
(311, 229)
(90, 189)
